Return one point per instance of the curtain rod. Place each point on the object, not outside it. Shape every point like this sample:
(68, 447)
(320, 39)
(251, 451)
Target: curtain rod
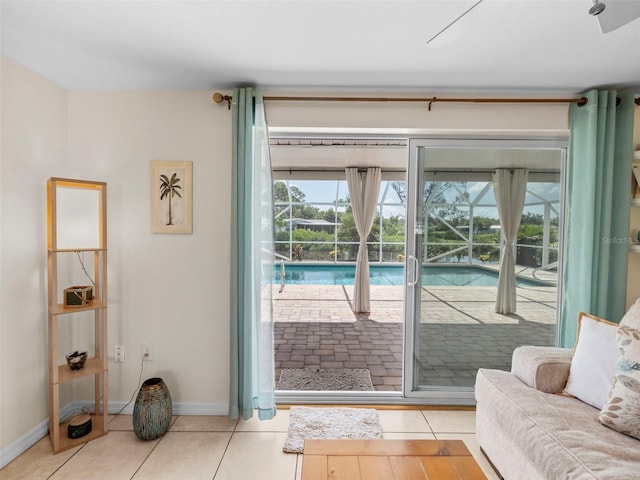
(401, 170)
(219, 98)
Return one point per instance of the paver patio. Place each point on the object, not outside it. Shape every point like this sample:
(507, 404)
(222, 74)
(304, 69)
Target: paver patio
(459, 331)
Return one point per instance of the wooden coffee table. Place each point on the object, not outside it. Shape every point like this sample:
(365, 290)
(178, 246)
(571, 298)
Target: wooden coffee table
(388, 460)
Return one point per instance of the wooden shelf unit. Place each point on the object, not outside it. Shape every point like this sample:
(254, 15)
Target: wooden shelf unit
(96, 365)
(60, 309)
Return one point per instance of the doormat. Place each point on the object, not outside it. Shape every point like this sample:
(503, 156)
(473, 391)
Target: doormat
(330, 424)
(325, 379)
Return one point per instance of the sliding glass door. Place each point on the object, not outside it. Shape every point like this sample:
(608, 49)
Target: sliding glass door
(453, 251)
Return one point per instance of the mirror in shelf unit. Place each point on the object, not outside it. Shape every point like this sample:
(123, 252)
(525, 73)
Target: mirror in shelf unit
(635, 200)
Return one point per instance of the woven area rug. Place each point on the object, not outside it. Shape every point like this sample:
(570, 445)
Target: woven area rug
(325, 379)
(329, 424)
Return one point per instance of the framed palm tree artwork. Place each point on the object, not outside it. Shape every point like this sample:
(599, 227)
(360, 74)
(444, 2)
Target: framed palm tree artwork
(171, 197)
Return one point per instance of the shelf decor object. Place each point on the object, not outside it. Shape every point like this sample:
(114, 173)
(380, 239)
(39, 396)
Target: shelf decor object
(76, 360)
(77, 225)
(78, 296)
(152, 410)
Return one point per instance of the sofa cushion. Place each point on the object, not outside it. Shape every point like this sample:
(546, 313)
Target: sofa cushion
(594, 360)
(543, 368)
(622, 410)
(560, 435)
(632, 317)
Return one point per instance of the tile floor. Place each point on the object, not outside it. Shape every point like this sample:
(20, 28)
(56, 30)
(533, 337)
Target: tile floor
(216, 448)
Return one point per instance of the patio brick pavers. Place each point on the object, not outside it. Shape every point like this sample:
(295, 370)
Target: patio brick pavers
(459, 331)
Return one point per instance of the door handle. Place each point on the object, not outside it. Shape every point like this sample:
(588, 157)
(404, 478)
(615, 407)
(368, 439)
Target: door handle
(412, 283)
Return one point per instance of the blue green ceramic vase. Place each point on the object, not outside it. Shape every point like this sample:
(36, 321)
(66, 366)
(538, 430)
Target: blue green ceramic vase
(152, 410)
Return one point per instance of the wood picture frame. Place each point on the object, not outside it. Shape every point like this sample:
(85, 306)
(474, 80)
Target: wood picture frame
(171, 196)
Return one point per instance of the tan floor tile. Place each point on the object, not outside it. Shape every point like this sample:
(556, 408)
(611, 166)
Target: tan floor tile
(124, 423)
(403, 421)
(451, 421)
(192, 455)
(38, 462)
(472, 444)
(114, 456)
(203, 423)
(120, 422)
(253, 455)
(279, 423)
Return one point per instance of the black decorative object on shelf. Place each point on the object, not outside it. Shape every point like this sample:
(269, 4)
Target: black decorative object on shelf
(79, 426)
(76, 360)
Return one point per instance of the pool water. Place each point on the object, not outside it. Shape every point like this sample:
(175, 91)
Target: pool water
(300, 274)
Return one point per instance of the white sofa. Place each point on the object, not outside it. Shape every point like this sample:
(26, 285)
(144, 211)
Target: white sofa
(529, 432)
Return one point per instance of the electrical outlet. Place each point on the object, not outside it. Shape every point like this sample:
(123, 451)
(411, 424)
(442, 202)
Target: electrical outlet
(118, 353)
(147, 351)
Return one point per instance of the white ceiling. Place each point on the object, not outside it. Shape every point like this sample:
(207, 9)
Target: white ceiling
(499, 46)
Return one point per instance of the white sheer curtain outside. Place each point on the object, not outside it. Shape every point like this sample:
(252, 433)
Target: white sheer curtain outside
(510, 187)
(363, 192)
(264, 362)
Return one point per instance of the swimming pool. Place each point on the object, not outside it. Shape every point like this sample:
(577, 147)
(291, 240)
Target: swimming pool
(458, 276)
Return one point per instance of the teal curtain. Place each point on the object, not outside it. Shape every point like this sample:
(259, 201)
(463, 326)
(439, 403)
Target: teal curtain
(252, 259)
(597, 214)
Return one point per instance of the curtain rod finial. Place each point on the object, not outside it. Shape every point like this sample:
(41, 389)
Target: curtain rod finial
(219, 98)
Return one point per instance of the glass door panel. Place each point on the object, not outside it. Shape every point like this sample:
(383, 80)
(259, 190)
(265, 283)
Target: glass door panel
(454, 246)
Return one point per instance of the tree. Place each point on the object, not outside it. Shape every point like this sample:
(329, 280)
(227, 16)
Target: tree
(434, 194)
(393, 226)
(281, 193)
(281, 203)
(532, 219)
(529, 234)
(329, 215)
(169, 189)
(483, 224)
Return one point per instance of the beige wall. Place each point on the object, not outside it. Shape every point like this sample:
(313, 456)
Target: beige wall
(415, 118)
(172, 290)
(633, 275)
(33, 148)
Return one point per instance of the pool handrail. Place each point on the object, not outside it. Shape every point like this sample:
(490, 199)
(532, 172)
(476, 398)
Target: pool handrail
(282, 275)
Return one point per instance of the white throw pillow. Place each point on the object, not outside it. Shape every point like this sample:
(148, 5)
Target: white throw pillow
(632, 317)
(622, 410)
(593, 365)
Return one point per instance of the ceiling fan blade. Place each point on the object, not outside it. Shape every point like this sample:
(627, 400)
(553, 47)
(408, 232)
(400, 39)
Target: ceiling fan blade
(618, 13)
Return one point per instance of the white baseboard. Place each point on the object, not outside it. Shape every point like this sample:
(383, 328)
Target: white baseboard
(14, 450)
(18, 447)
(179, 408)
